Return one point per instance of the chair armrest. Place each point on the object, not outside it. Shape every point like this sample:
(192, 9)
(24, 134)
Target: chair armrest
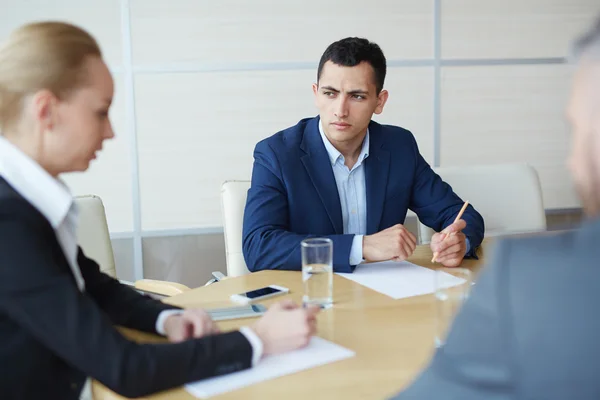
(161, 287)
(155, 287)
(217, 276)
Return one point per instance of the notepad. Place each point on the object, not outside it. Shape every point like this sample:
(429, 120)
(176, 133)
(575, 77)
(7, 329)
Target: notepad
(397, 279)
(318, 352)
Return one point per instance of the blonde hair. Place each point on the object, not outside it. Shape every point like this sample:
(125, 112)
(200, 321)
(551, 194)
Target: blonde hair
(41, 55)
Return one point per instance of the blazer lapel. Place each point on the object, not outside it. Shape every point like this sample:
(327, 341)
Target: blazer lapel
(377, 166)
(317, 164)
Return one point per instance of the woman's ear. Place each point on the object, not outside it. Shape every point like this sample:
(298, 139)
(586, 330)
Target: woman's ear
(44, 104)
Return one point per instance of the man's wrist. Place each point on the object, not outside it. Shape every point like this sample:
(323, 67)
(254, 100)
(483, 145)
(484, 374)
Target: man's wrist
(365, 247)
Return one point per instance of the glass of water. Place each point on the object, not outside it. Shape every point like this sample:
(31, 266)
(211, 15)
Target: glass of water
(317, 271)
(452, 287)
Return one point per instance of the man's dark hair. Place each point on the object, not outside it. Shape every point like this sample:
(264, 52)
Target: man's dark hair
(350, 52)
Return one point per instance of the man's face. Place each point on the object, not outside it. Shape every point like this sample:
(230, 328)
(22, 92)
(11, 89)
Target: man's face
(347, 99)
(584, 114)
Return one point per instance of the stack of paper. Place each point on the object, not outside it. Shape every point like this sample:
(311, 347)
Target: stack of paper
(318, 352)
(398, 279)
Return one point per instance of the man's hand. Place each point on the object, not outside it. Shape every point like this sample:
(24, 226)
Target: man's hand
(285, 327)
(394, 243)
(451, 251)
(192, 323)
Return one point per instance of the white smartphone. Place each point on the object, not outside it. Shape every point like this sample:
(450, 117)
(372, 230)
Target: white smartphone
(259, 294)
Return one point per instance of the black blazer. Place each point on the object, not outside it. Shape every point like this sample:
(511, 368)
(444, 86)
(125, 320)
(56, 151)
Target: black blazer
(52, 335)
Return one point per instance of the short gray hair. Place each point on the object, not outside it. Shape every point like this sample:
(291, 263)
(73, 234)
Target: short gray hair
(587, 45)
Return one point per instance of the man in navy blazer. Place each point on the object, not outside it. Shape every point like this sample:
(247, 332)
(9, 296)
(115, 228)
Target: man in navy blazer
(345, 177)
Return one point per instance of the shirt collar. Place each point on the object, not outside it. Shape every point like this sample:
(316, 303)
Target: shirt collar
(335, 155)
(49, 195)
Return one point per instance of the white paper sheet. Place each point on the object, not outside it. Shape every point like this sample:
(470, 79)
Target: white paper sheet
(318, 352)
(398, 279)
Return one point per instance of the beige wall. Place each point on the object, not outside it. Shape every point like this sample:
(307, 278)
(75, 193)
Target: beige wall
(199, 82)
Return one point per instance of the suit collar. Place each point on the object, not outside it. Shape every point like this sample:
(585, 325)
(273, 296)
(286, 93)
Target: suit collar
(317, 164)
(377, 168)
(310, 139)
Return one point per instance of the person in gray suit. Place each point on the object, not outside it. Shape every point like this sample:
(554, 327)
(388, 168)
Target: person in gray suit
(530, 329)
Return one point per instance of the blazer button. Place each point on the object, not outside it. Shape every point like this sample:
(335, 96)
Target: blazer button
(73, 386)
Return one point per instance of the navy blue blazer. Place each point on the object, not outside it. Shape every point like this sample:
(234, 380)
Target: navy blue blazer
(293, 195)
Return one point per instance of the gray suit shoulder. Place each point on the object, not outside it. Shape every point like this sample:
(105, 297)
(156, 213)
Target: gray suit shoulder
(552, 248)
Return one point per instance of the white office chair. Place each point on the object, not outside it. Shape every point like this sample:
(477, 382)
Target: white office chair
(233, 202)
(508, 196)
(94, 238)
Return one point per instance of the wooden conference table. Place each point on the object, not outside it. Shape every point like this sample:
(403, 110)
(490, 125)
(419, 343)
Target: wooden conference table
(393, 339)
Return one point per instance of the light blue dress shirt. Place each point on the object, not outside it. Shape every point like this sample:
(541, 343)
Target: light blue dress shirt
(352, 189)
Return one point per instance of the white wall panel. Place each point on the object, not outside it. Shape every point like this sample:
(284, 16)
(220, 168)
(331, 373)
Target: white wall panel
(513, 28)
(262, 31)
(509, 114)
(197, 130)
(101, 18)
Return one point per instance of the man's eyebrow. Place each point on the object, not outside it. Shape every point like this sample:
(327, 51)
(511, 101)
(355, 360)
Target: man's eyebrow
(332, 89)
(358, 91)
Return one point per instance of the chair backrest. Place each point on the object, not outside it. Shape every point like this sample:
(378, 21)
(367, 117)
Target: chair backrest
(93, 235)
(233, 202)
(508, 196)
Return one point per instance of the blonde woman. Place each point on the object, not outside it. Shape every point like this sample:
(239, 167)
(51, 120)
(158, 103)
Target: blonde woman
(57, 310)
